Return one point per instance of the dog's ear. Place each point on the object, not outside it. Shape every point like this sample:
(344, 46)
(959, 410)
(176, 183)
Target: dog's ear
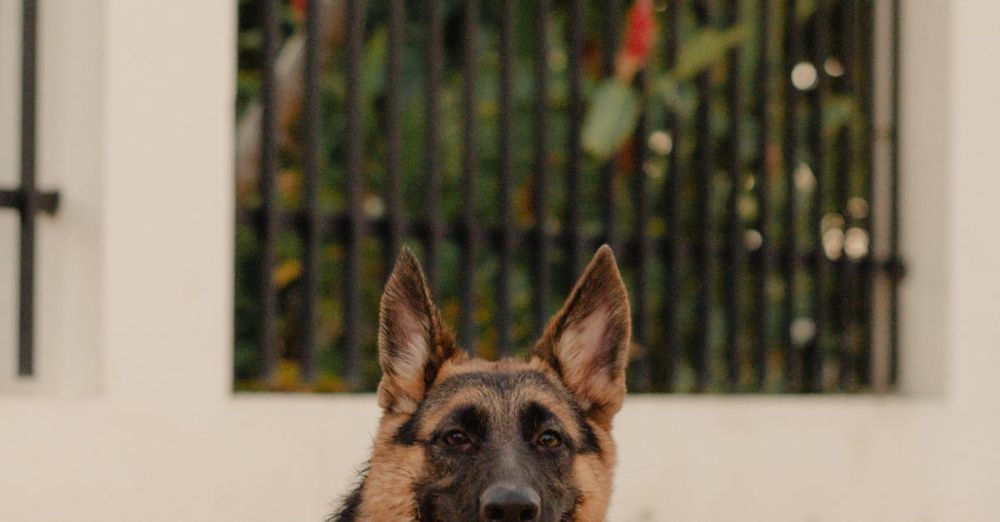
(412, 343)
(587, 341)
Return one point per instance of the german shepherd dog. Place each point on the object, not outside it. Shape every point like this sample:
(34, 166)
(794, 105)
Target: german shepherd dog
(465, 439)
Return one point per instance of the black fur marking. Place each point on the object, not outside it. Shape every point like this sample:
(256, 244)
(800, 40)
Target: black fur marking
(425, 502)
(406, 435)
(589, 444)
(534, 417)
(469, 419)
(348, 511)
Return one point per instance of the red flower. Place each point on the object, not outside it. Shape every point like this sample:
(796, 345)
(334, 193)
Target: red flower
(299, 6)
(640, 31)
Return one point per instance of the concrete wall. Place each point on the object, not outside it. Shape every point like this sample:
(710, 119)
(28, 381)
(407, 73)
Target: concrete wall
(137, 278)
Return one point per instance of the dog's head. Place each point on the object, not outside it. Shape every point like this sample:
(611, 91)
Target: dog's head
(469, 439)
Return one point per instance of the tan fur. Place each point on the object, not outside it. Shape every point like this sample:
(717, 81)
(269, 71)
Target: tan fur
(593, 479)
(394, 471)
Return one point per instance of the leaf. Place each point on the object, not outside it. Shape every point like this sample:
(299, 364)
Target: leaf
(613, 113)
(287, 272)
(373, 65)
(706, 48)
(678, 97)
(840, 110)
(804, 9)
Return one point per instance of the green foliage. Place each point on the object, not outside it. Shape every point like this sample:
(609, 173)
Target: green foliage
(614, 108)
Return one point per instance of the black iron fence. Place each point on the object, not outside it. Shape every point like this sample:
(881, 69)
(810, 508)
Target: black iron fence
(25, 198)
(755, 224)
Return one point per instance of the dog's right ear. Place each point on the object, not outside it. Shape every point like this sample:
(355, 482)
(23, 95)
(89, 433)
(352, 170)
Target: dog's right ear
(412, 343)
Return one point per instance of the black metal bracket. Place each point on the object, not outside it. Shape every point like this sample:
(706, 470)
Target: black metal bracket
(46, 202)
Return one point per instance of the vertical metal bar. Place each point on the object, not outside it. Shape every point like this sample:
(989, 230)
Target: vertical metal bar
(540, 189)
(610, 29)
(470, 171)
(267, 235)
(845, 291)
(894, 198)
(641, 370)
(672, 340)
(573, 150)
(763, 194)
(355, 34)
(819, 51)
(790, 152)
(311, 131)
(734, 248)
(867, 286)
(704, 167)
(29, 203)
(432, 148)
(506, 176)
(394, 131)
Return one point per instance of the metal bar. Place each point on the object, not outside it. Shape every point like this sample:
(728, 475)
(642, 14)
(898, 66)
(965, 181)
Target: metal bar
(734, 248)
(610, 29)
(703, 165)
(790, 153)
(672, 338)
(574, 154)
(355, 33)
(640, 372)
(432, 148)
(763, 194)
(540, 194)
(867, 85)
(818, 50)
(506, 177)
(29, 204)
(845, 291)
(394, 131)
(311, 130)
(267, 231)
(45, 202)
(470, 171)
(894, 196)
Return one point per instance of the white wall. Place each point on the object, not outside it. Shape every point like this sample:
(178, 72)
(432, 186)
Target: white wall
(9, 148)
(142, 284)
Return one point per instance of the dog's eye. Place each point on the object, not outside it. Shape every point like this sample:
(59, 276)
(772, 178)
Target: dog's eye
(455, 438)
(549, 439)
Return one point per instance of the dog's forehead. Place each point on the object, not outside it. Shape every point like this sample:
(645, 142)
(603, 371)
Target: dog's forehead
(501, 390)
(513, 378)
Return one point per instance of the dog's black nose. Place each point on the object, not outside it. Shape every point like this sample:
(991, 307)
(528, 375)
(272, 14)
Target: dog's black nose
(509, 503)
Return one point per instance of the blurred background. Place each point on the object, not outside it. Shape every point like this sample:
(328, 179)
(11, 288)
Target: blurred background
(200, 203)
(726, 150)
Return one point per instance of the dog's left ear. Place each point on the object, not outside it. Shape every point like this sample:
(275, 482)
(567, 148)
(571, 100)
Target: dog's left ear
(412, 342)
(587, 341)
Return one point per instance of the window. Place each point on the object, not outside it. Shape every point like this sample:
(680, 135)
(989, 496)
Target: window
(743, 201)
